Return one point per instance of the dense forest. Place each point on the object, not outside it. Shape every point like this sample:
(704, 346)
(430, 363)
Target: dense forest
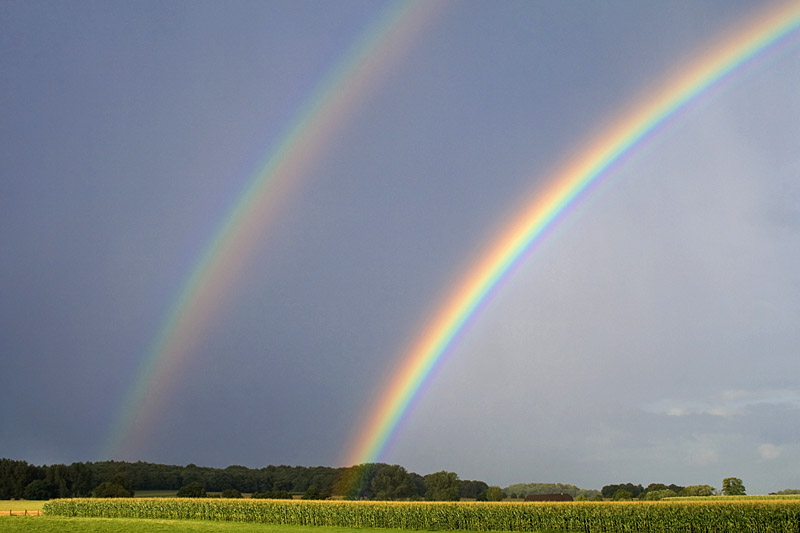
(18, 479)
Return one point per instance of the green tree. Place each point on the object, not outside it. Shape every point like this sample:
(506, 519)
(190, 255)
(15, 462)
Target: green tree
(109, 489)
(698, 490)
(609, 490)
(355, 482)
(272, 495)
(80, 478)
(494, 494)
(655, 486)
(15, 476)
(390, 482)
(442, 486)
(230, 493)
(733, 486)
(622, 494)
(57, 476)
(123, 481)
(654, 495)
(195, 489)
(39, 489)
(527, 489)
(472, 488)
(589, 494)
(191, 473)
(312, 493)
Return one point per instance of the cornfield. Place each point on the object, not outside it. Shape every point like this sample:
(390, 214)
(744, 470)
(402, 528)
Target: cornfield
(764, 516)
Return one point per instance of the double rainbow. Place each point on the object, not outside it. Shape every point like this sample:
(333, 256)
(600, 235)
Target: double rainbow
(586, 167)
(311, 130)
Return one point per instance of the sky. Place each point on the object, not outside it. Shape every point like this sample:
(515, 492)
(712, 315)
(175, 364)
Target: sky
(650, 336)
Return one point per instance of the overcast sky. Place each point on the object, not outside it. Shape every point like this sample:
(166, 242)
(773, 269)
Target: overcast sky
(652, 336)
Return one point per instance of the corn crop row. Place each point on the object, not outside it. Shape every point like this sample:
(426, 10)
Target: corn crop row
(762, 516)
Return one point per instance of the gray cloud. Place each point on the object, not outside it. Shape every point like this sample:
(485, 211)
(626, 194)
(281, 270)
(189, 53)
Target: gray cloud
(650, 336)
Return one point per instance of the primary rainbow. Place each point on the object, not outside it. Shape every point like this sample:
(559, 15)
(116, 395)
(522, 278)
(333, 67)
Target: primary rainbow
(215, 271)
(587, 165)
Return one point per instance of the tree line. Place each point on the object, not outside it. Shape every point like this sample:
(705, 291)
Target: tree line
(731, 486)
(520, 490)
(373, 481)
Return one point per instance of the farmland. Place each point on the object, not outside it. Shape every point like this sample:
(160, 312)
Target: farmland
(48, 524)
(20, 507)
(766, 515)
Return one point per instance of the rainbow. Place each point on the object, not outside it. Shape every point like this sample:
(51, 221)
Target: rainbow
(585, 168)
(359, 69)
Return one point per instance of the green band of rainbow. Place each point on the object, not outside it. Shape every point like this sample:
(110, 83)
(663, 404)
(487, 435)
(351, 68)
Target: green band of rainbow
(585, 168)
(372, 55)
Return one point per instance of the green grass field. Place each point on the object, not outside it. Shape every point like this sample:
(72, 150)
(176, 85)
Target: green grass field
(20, 506)
(48, 524)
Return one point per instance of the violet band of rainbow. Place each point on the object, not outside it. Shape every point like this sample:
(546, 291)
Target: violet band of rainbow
(335, 98)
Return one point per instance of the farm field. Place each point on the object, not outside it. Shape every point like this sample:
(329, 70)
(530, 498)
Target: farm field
(735, 515)
(20, 506)
(48, 524)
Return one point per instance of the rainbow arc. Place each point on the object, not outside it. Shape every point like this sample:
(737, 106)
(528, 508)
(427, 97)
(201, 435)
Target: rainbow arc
(588, 165)
(334, 99)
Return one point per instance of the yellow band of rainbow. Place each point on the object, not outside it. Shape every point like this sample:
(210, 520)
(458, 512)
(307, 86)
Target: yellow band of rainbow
(590, 163)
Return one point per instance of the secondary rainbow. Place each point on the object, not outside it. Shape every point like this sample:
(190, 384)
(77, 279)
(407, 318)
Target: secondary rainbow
(584, 168)
(333, 99)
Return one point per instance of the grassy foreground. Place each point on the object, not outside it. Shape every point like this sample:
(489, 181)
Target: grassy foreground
(49, 524)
